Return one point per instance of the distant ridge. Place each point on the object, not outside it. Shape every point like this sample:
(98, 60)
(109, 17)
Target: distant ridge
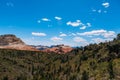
(10, 41)
(60, 49)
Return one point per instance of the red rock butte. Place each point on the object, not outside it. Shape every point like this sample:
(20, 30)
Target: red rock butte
(10, 41)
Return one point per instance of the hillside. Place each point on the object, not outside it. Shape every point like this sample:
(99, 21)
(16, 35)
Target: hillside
(10, 41)
(93, 62)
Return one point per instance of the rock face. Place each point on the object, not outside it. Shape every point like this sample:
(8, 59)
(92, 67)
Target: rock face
(10, 41)
(60, 49)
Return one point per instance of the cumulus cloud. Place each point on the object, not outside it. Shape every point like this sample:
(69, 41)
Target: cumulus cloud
(94, 32)
(83, 27)
(109, 34)
(74, 24)
(45, 19)
(89, 24)
(98, 40)
(106, 4)
(99, 11)
(78, 23)
(56, 39)
(10, 4)
(58, 18)
(31, 41)
(79, 39)
(38, 34)
(63, 35)
(102, 32)
(72, 34)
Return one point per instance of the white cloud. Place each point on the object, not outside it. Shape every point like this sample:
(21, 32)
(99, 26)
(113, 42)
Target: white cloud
(78, 23)
(72, 34)
(89, 24)
(63, 35)
(38, 34)
(106, 4)
(56, 39)
(98, 40)
(31, 41)
(45, 19)
(102, 32)
(74, 24)
(99, 11)
(58, 18)
(83, 27)
(109, 34)
(79, 39)
(10, 4)
(94, 32)
(38, 21)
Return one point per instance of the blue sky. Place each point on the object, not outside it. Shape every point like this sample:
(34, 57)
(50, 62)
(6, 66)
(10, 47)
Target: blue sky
(51, 22)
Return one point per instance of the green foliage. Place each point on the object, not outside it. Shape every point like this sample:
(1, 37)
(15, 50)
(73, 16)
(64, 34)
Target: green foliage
(84, 76)
(92, 62)
(110, 70)
(118, 37)
(5, 78)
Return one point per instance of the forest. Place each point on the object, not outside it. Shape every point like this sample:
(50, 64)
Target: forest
(93, 62)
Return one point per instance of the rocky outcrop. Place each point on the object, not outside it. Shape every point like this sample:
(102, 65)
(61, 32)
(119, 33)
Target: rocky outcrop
(60, 49)
(10, 41)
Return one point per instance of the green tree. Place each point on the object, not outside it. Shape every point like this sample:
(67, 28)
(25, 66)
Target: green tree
(5, 78)
(110, 70)
(84, 76)
(118, 37)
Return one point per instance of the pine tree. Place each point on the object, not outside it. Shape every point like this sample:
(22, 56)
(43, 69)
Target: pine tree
(110, 70)
(84, 76)
(118, 37)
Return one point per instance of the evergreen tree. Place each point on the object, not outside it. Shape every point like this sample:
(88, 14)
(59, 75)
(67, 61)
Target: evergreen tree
(110, 70)
(84, 76)
(118, 37)
(5, 78)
